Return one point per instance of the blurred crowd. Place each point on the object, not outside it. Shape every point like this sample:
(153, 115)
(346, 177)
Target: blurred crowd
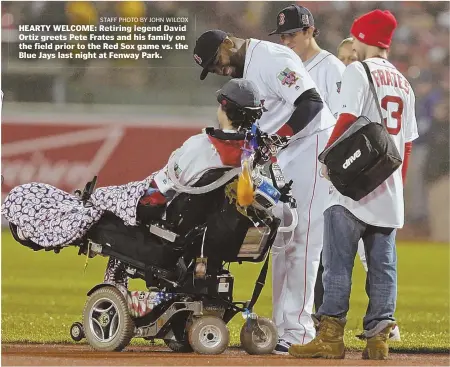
(420, 51)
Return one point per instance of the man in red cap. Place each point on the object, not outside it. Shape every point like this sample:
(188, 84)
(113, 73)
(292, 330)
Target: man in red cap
(376, 217)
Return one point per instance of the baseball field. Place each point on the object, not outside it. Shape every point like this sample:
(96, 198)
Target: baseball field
(43, 294)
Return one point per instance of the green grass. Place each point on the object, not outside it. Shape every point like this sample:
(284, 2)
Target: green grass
(43, 293)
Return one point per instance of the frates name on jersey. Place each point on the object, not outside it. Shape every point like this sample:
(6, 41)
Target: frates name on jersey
(388, 77)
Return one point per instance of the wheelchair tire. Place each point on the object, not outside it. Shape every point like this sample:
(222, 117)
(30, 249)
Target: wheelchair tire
(76, 331)
(107, 322)
(252, 344)
(209, 335)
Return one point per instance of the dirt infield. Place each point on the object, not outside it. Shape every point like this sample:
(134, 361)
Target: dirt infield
(82, 355)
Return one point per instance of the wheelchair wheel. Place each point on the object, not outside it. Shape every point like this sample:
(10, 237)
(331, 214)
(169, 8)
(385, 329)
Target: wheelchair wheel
(256, 344)
(76, 331)
(209, 335)
(107, 323)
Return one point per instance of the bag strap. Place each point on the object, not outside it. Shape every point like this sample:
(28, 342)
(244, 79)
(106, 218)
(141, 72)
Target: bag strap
(372, 88)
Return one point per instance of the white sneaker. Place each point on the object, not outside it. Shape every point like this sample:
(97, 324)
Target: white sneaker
(394, 335)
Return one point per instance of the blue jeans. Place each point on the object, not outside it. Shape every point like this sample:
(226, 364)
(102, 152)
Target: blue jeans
(341, 235)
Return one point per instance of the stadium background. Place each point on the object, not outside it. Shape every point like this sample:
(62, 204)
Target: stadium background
(63, 122)
(121, 119)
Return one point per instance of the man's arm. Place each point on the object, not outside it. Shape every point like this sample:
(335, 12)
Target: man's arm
(411, 132)
(352, 97)
(289, 80)
(408, 150)
(161, 177)
(307, 106)
(354, 88)
(343, 123)
(334, 83)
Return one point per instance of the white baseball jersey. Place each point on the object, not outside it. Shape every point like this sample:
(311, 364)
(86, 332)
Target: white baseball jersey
(197, 155)
(384, 207)
(326, 70)
(281, 78)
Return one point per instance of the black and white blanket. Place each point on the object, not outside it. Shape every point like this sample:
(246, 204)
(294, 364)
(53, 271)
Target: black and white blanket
(51, 217)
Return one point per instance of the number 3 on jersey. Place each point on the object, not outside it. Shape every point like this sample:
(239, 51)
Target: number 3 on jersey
(396, 109)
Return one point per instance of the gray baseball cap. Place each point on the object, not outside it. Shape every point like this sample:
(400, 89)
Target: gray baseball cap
(240, 91)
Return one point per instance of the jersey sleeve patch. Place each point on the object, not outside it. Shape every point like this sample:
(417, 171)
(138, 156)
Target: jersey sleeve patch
(288, 77)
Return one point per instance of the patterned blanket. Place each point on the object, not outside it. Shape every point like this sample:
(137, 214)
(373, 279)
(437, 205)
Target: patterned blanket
(51, 217)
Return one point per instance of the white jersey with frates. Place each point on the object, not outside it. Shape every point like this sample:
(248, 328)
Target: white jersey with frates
(281, 78)
(326, 70)
(384, 207)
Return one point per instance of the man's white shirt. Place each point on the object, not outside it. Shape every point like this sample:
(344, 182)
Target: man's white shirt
(326, 70)
(281, 78)
(384, 207)
(195, 157)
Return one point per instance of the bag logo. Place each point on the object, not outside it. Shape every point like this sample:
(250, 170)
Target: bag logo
(351, 159)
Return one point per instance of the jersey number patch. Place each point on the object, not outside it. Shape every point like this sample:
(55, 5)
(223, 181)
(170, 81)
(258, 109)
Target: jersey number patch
(395, 119)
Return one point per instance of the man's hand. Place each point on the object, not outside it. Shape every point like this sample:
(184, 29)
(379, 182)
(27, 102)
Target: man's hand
(324, 171)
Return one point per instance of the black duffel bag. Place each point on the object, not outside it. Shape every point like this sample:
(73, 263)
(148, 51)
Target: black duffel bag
(363, 157)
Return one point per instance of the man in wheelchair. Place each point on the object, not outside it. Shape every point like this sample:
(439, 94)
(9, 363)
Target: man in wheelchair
(176, 230)
(201, 160)
(239, 107)
(175, 204)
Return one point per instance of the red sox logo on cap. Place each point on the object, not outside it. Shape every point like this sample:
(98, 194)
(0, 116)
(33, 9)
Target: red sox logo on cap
(198, 59)
(305, 19)
(281, 19)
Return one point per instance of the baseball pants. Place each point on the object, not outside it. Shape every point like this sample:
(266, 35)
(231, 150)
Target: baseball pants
(294, 266)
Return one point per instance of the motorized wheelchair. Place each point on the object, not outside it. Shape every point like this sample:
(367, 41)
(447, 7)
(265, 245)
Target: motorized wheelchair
(183, 257)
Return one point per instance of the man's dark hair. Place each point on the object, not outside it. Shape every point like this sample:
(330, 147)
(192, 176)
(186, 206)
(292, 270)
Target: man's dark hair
(315, 33)
(241, 117)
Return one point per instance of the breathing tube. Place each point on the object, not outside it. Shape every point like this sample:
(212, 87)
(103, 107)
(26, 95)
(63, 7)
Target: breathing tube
(219, 134)
(197, 190)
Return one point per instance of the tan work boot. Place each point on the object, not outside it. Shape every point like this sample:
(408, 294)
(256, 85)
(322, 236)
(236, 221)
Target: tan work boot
(328, 343)
(377, 346)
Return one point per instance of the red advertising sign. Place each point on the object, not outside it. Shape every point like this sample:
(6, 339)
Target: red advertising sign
(67, 156)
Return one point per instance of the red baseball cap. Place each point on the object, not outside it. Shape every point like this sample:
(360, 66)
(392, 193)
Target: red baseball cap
(375, 28)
